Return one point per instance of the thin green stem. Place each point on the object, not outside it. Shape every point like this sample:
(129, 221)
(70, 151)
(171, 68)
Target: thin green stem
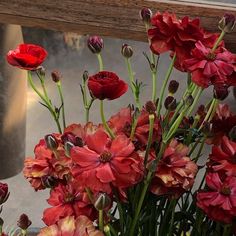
(23, 232)
(90, 195)
(100, 220)
(104, 121)
(170, 69)
(200, 149)
(199, 92)
(218, 41)
(59, 87)
(134, 124)
(101, 66)
(107, 230)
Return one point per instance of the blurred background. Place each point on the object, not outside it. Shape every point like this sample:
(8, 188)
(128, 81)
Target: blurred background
(68, 54)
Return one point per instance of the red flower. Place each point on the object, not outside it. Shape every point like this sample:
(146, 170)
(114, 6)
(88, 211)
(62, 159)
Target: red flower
(46, 166)
(27, 56)
(223, 158)
(210, 68)
(106, 85)
(121, 123)
(219, 200)
(69, 226)
(4, 194)
(104, 162)
(175, 172)
(68, 200)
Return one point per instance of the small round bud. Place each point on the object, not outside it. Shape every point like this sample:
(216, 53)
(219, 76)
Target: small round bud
(102, 202)
(51, 142)
(85, 76)
(95, 44)
(170, 103)
(227, 23)
(189, 100)
(173, 86)
(221, 93)
(232, 134)
(126, 51)
(56, 77)
(146, 15)
(24, 222)
(41, 71)
(150, 107)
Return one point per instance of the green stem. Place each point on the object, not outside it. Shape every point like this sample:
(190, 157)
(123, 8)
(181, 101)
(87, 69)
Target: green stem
(90, 195)
(104, 121)
(42, 81)
(134, 124)
(170, 69)
(199, 92)
(227, 230)
(100, 220)
(44, 100)
(59, 87)
(0, 229)
(107, 230)
(23, 232)
(218, 41)
(131, 79)
(200, 149)
(150, 134)
(101, 66)
(154, 78)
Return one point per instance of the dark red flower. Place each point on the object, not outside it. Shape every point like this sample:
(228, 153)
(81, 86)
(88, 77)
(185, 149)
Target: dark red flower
(68, 200)
(4, 194)
(219, 200)
(210, 68)
(27, 56)
(223, 158)
(121, 123)
(175, 172)
(106, 85)
(104, 162)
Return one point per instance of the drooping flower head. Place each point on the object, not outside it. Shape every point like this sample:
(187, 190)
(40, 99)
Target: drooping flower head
(103, 163)
(106, 85)
(175, 172)
(219, 200)
(71, 226)
(68, 200)
(27, 56)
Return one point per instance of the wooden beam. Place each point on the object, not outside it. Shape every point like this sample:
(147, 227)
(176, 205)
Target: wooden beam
(114, 18)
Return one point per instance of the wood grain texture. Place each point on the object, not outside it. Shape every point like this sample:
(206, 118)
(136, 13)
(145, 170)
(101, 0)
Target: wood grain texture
(114, 18)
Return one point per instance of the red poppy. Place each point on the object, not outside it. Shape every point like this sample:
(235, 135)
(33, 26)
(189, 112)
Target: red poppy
(223, 158)
(219, 200)
(70, 226)
(106, 85)
(121, 123)
(209, 67)
(175, 172)
(27, 56)
(68, 200)
(104, 162)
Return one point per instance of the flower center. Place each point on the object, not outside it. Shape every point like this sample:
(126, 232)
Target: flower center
(225, 190)
(105, 157)
(211, 56)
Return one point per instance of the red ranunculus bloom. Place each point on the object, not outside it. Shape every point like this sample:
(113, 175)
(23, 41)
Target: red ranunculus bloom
(68, 200)
(121, 123)
(175, 172)
(46, 166)
(106, 85)
(69, 226)
(104, 162)
(210, 68)
(27, 56)
(219, 200)
(223, 158)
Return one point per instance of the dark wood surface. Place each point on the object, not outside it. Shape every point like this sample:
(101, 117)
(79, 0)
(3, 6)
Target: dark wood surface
(114, 18)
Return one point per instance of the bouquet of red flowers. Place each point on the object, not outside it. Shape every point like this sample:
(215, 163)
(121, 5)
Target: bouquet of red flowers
(134, 173)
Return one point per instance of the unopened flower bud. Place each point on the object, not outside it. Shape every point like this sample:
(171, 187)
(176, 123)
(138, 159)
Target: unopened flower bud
(146, 15)
(170, 103)
(4, 194)
(24, 222)
(102, 202)
(150, 107)
(56, 77)
(85, 76)
(95, 44)
(49, 181)
(221, 93)
(41, 71)
(173, 86)
(189, 100)
(126, 51)
(227, 23)
(207, 128)
(51, 142)
(232, 134)
(68, 146)
(201, 111)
